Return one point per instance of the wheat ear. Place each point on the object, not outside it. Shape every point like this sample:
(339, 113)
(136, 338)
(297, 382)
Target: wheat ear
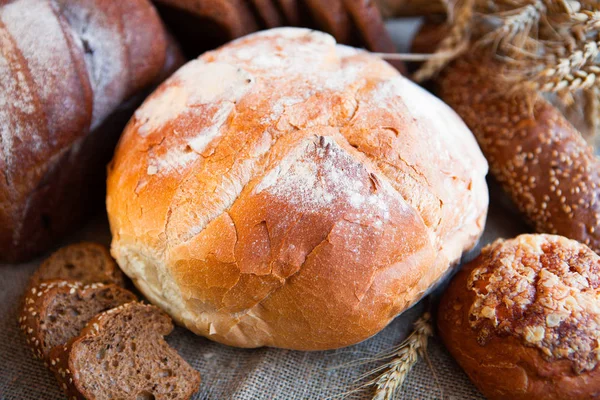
(454, 44)
(406, 356)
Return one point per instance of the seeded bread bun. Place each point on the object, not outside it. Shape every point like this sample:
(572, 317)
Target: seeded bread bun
(287, 191)
(523, 319)
(542, 161)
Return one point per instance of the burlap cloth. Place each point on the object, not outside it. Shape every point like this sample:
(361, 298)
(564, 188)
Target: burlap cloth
(231, 373)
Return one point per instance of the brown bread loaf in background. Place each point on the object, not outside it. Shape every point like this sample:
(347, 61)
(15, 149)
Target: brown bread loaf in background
(541, 160)
(202, 25)
(121, 354)
(56, 311)
(523, 319)
(62, 85)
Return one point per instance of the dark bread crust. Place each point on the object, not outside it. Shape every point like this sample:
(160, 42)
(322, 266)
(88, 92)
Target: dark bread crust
(267, 13)
(233, 16)
(372, 30)
(541, 160)
(292, 11)
(57, 310)
(145, 325)
(84, 262)
(503, 361)
(331, 17)
(45, 189)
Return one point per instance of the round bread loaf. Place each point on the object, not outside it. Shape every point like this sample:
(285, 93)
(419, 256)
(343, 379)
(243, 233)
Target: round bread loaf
(287, 191)
(523, 319)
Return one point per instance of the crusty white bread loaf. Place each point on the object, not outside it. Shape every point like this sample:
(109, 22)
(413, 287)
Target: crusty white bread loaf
(285, 191)
(65, 68)
(523, 319)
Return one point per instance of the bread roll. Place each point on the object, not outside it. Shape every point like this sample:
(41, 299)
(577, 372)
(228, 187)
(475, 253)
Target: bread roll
(287, 191)
(542, 161)
(523, 319)
(66, 67)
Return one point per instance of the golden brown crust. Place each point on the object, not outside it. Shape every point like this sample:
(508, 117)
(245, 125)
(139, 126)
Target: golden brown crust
(256, 204)
(545, 165)
(522, 319)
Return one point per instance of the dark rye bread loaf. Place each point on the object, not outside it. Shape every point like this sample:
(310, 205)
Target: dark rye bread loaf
(121, 354)
(266, 13)
(84, 262)
(62, 86)
(541, 160)
(331, 17)
(293, 11)
(56, 311)
(371, 28)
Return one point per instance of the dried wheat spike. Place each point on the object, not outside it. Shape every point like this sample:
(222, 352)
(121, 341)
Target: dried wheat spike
(454, 44)
(407, 355)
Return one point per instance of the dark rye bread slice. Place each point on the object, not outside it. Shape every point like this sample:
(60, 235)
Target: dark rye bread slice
(84, 262)
(121, 354)
(56, 311)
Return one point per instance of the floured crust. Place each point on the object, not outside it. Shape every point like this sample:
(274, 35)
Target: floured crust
(522, 319)
(61, 87)
(282, 182)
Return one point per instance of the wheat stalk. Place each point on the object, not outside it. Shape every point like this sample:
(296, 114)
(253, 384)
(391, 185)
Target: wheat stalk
(454, 44)
(516, 27)
(547, 46)
(405, 357)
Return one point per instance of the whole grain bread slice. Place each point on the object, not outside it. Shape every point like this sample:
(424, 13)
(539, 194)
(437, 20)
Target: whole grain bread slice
(56, 311)
(121, 354)
(84, 262)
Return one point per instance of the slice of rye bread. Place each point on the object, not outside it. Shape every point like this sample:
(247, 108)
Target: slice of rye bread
(121, 354)
(84, 262)
(56, 311)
